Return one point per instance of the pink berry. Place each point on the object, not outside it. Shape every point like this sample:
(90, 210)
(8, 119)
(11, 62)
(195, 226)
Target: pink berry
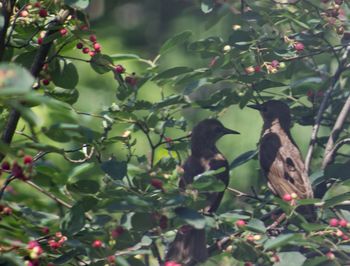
(240, 223)
(343, 223)
(345, 237)
(131, 80)
(27, 159)
(45, 230)
(158, 184)
(63, 31)
(97, 244)
(249, 70)
(79, 45)
(86, 50)
(24, 14)
(333, 222)
(287, 197)
(111, 259)
(17, 171)
(93, 38)
(248, 263)
(7, 211)
(171, 263)
(97, 46)
(92, 53)
(5, 166)
(119, 69)
(330, 255)
(40, 41)
(299, 47)
(37, 4)
(117, 232)
(53, 244)
(275, 63)
(43, 13)
(46, 82)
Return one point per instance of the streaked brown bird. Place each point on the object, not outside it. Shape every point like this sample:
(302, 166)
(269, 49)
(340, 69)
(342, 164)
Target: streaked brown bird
(189, 246)
(279, 156)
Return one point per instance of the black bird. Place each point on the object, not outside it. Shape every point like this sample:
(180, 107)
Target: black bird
(189, 246)
(279, 156)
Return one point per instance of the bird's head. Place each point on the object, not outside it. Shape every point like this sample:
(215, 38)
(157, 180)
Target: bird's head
(274, 110)
(208, 131)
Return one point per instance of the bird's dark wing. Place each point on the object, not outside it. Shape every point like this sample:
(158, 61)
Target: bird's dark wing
(189, 247)
(193, 166)
(281, 162)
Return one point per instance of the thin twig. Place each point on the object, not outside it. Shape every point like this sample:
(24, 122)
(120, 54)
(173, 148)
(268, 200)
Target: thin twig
(329, 150)
(323, 106)
(7, 9)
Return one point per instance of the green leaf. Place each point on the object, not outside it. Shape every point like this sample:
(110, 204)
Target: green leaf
(81, 4)
(245, 252)
(172, 72)
(66, 75)
(74, 220)
(115, 169)
(125, 57)
(290, 258)
(338, 170)
(207, 6)
(240, 39)
(191, 217)
(69, 96)
(174, 41)
(101, 63)
(14, 80)
(318, 261)
(142, 221)
(84, 186)
(280, 241)
(337, 199)
(171, 100)
(243, 158)
(65, 258)
(256, 225)
(208, 182)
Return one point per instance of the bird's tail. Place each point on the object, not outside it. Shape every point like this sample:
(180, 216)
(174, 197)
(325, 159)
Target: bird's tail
(189, 247)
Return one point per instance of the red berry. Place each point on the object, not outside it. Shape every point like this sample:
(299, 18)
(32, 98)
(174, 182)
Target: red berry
(168, 140)
(17, 171)
(93, 38)
(63, 31)
(343, 223)
(248, 263)
(45, 230)
(92, 53)
(40, 41)
(240, 223)
(333, 222)
(97, 244)
(119, 69)
(53, 244)
(86, 50)
(158, 184)
(117, 232)
(79, 45)
(5, 166)
(287, 197)
(37, 4)
(7, 211)
(43, 13)
(345, 237)
(46, 82)
(131, 80)
(299, 47)
(257, 69)
(27, 159)
(310, 93)
(111, 259)
(330, 256)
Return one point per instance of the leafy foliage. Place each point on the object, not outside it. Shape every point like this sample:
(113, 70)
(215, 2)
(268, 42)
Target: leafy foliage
(124, 208)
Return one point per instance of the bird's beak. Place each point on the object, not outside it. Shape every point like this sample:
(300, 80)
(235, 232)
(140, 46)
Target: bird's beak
(229, 131)
(255, 106)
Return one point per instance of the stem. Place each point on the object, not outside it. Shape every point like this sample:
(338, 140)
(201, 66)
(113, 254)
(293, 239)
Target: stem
(323, 107)
(36, 67)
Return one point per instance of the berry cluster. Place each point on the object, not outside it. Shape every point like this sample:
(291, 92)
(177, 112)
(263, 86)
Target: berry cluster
(57, 241)
(22, 172)
(92, 49)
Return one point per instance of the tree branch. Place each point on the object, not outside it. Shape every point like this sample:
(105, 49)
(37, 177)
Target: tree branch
(7, 7)
(323, 107)
(36, 67)
(338, 126)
